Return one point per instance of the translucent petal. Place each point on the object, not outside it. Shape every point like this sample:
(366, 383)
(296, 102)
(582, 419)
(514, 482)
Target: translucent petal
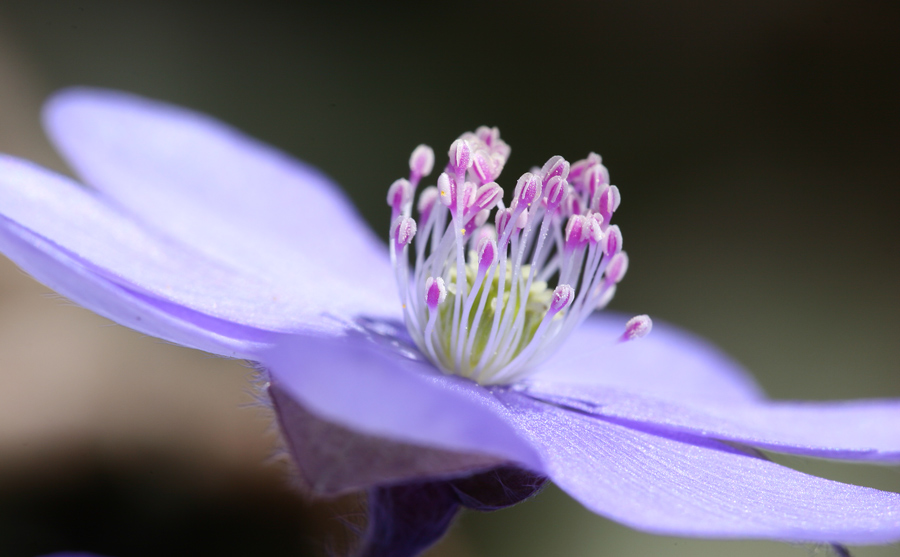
(690, 486)
(669, 363)
(853, 430)
(378, 386)
(228, 196)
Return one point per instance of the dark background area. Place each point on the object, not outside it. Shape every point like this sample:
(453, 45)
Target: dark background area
(756, 145)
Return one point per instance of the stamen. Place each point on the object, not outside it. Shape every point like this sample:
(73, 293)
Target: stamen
(504, 317)
(421, 162)
(637, 327)
(399, 197)
(403, 231)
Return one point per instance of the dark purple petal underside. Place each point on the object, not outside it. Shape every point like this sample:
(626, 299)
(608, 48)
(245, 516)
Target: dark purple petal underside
(407, 519)
(498, 488)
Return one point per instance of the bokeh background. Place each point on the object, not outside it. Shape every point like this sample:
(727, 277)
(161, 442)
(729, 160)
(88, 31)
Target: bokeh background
(756, 144)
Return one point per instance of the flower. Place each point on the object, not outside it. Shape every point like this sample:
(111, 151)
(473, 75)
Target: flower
(198, 235)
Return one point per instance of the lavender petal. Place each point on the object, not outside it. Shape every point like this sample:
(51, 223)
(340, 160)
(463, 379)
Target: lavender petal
(690, 486)
(98, 256)
(853, 430)
(332, 460)
(230, 197)
(379, 387)
(669, 363)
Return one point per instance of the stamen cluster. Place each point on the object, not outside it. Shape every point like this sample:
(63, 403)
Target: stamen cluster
(476, 300)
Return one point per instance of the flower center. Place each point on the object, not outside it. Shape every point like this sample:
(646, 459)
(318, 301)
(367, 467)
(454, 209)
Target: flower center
(477, 299)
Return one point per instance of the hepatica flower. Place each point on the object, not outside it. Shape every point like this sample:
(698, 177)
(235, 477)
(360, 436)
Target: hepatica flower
(461, 365)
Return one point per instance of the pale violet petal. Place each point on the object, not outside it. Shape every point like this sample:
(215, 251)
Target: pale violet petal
(690, 486)
(73, 226)
(226, 195)
(372, 382)
(852, 430)
(67, 274)
(669, 363)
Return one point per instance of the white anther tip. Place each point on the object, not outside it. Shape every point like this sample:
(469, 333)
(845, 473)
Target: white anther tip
(637, 327)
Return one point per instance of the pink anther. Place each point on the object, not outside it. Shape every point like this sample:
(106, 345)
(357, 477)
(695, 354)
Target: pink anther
(563, 295)
(528, 188)
(487, 196)
(460, 155)
(402, 231)
(555, 167)
(483, 166)
(617, 268)
(594, 180)
(594, 224)
(399, 194)
(435, 292)
(421, 163)
(556, 189)
(575, 232)
(613, 240)
(487, 253)
(609, 202)
(577, 172)
(447, 190)
(637, 327)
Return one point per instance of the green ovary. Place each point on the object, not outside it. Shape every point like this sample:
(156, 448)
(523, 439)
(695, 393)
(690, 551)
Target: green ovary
(536, 305)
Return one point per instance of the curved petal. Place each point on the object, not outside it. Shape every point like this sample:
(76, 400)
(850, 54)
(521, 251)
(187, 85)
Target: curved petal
(690, 486)
(669, 363)
(371, 382)
(87, 252)
(65, 273)
(228, 196)
(333, 460)
(72, 224)
(852, 430)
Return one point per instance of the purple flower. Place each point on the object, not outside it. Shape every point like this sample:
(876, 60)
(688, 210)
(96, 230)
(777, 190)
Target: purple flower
(198, 235)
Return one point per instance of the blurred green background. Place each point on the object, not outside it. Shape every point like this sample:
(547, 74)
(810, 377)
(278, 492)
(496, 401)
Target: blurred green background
(756, 144)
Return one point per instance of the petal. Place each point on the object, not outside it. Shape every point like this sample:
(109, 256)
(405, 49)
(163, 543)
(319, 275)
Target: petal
(88, 252)
(669, 363)
(228, 196)
(371, 382)
(853, 430)
(332, 460)
(689, 486)
(79, 230)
